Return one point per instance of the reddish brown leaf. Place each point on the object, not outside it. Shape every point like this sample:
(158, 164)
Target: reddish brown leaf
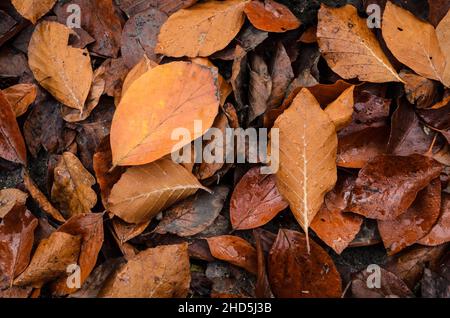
(271, 16)
(9, 198)
(293, 273)
(255, 200)
(387, 185)
(262, 288)
(282, 75)
(440, 233)
(234, 250)
(417, 221)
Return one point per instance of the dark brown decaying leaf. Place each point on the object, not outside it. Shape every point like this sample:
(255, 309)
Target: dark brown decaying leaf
(260, 87)
(255, 200)
(390, 286)
(419, 90)
(293, 273)
(194, 214)
(282, 75)
(336, 228)
(12, 146)
(262, 288)
(169, 277)
(234, 250)
(71, 190)
(50, 260)
(387, 185)
(415, 223)
(16, 240)
(440, 232)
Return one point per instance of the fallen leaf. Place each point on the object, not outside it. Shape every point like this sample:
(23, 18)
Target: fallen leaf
(443, 35)
(415, 223)
(271, 16)
(350, 48)
(234, 250)
(33, 10)
(262, 288)
(340, 111)
(140, 35)
(295, 273)
(100, 20)
(194, 214)
(260, 87)
(282, 75)
(126, 231)
(336, 228)
(307, 161)
(202, 29)
(440, 232)
(170, 96)
(20, 96)
(144, 191)
(390, 286)
(40, 198)
(143, 66)
(387, 185)
(16, 241)
(132, 7)
(419, 90)
(239, 75)
(170, 275)
(437, 10)
(413, 42)
(255, 200)
(327, 93)
(437, 119)
(90, 228)
(71, 190)
(50, 260)
(64, 71)
(12, 146)
(9, 198)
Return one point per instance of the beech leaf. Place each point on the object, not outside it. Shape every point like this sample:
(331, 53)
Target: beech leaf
(33, 9)
(271, 16)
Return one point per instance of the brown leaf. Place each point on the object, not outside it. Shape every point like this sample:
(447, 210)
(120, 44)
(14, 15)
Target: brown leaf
(90, 228)
(336, 228)
(234, 250)
(40, 198)
(350, 48)
(390, 286)
(413, 42)
(143, 66)
(172, 96)
(9, 198)
(132, 7)
(12, 146)
(20, 96)
(419, 90)
(341, 109)
(443, 35)
(50, 260)
(307, 167)
(201, 30)
(68, 76)
(126, 231)
(33, 10)
(140, 35)
(437, 10)
(71, 190)
(282, 75)
(271, 16)
(327, 93)
(169, 277)
(194, 214)
(255, 200)
(387, 185)
(16, 241)
(100, 20)
(262, 288)
(239, 75)
(260, 87)
(440, 233)
(295, 273)
(144, 191)
(415, 223)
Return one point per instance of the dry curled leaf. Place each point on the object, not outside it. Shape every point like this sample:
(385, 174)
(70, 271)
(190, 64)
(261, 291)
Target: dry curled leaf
(295, 273)
(71, 190)
(307, 166)
(202, 29)
(255, 200)
(20, 96)
(413, 42)
(9, 198)
(33, 9)
(234, 250)
(50, 260)
(144, 191)
(169, 96)
(64, 71)
(387, 185)
(271, 16)
(12, 145)
(440, 232)
(170, 275)
(350, 48)
(194, 214)
(16, 241)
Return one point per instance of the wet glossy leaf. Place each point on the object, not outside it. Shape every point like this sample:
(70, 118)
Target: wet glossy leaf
(271, 16)
(440, 232)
